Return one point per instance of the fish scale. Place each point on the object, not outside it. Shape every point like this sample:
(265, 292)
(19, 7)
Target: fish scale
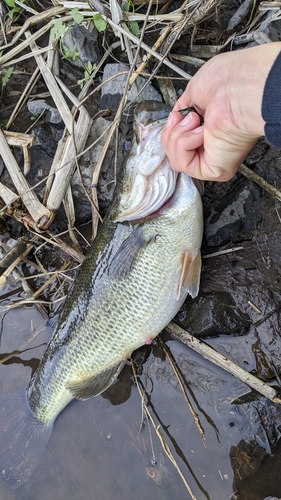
(130, 286)
(95, 345)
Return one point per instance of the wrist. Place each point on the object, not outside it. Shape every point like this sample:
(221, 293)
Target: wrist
(253, 77)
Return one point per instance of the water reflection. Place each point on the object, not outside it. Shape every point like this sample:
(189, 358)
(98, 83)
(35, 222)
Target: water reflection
(105, 447)
(13, 359)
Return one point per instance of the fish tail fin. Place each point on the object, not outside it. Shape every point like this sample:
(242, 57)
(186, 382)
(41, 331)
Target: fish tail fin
(23, 439)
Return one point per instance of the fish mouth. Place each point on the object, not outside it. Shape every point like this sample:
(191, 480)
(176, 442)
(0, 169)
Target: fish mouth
(148, 194)
(150, 179)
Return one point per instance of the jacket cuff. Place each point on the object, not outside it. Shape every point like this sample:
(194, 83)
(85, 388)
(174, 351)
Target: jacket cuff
(271, 104)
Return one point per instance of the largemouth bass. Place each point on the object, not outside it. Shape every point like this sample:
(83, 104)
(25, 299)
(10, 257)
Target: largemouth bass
(144, 262)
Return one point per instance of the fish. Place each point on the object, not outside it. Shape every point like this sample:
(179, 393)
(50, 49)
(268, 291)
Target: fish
(143, 263)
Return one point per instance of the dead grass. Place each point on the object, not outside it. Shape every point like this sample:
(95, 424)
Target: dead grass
(168, 25)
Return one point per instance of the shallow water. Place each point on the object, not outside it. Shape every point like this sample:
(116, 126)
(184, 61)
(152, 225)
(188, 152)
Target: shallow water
(100, 449)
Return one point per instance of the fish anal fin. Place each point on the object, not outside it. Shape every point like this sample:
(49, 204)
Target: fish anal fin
(88, 387)
(127, 254)
(190, 273)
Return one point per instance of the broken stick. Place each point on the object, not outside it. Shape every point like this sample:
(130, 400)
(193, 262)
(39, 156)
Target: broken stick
(218, 359)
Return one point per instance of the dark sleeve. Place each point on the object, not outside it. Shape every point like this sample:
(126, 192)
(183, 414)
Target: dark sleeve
(271, 104)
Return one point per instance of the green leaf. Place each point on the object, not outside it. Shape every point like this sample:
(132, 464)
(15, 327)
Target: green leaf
(13, 8)
(4, 122)
(99, 22)
(130, 6)
(7, 77)
(78, 18)
(11, 13)
(10, 3)
(134, 28)
(68, 54)
(58, 30)
(90, 67)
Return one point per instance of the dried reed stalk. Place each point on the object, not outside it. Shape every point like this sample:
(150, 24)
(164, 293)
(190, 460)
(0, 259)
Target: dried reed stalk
(218, 359)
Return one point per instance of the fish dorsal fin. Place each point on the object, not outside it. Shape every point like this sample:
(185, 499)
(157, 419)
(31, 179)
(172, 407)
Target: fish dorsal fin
(88, 387)
(126, 255)
(190, 273)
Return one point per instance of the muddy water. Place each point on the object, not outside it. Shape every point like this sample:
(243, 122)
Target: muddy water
(104, 449)
(99, 450)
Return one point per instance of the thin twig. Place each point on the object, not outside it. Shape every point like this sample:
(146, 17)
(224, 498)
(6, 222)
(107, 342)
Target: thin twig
(192, 411)
(32, 302)
(24, 96)
(218, 359)
(56, 11)
(50, 280)
(163, 441)
(247, 172)
(56, 241)
(16, 262)
(222, 252)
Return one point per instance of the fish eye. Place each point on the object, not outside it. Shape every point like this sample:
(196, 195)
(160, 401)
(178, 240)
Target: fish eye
(128, 145)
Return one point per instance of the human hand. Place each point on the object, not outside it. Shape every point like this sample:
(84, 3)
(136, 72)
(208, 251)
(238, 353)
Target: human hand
(227, 91)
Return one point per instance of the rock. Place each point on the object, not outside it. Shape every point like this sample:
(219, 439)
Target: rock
(78, 40)
(212, 314)
(113, 90)
(37, 106)
(42, 154)
(258, 458)
(246, 458)
(44, 133)
(235, 215)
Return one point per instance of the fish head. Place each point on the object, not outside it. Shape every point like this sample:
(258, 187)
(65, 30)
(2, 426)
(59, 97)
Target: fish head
(148, 180)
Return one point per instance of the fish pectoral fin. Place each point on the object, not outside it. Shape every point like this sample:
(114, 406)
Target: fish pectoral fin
(190, 274)
(94, 385)
(128, 252)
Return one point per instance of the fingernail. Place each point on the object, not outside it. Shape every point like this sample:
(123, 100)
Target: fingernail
(187, 119)
(198, 130)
